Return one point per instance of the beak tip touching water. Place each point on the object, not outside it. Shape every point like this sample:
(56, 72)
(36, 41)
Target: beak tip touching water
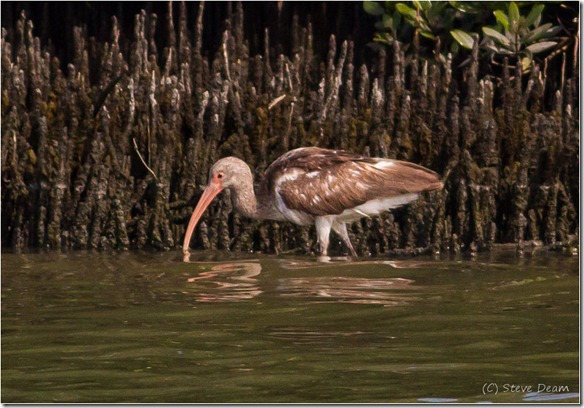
(208, 195)
(186, 256)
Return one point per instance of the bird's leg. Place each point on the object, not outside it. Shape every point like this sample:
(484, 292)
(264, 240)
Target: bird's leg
(323, 229)
(341, 229)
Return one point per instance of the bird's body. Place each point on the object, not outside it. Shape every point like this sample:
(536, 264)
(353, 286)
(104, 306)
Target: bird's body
(310, 185)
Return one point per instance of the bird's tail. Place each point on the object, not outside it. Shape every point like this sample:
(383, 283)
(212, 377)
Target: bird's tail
(438, 185)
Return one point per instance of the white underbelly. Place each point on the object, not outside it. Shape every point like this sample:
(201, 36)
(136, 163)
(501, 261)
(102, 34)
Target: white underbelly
(368, 209)
(376, 207)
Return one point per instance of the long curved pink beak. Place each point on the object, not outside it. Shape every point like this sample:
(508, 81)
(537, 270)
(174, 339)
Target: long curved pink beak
(209, 194)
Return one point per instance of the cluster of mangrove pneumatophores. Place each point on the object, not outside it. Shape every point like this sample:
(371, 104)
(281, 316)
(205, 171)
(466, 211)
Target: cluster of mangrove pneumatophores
(113, 149)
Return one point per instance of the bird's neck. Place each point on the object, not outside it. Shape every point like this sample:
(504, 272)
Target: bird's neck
(248, 204)
(244, 200)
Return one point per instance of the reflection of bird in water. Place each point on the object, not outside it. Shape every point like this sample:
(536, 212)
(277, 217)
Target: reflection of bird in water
(338, 289)
(225, 282)
(310, 185)
(239, 281)
(328, 262)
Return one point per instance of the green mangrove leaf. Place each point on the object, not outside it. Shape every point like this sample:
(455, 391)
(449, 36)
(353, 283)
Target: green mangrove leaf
(463, 38)
(436, 9)
(427, 34)
(554, 31)
(497, 36)
(406, 10)
(383, 38)
(378, 38)
(544, 31)
(373, 8)
(387, 21)
(537, 21)
(534, 14)
(468, 7)
(501, 18)
(397, 19)
(497, 49)
(513, 16)
(541, 46)
(424, 26)
(535, 34)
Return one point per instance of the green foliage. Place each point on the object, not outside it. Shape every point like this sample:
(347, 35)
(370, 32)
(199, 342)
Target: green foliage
(434, 21)
(373, 8)
(457, 25)
(518, 36)
(398, 20)
(463, 38)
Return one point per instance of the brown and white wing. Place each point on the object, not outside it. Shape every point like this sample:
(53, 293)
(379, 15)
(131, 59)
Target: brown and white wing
(363, 185)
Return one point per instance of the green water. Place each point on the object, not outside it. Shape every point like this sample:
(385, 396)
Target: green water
(143, 327)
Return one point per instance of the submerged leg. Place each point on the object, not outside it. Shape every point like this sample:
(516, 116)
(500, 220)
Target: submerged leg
(341, 229)
(323, 229)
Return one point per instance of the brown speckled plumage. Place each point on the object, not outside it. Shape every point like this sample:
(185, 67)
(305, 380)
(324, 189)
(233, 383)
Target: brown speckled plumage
(340, 180)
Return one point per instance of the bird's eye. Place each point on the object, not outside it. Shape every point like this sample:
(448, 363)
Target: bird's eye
(219, 175)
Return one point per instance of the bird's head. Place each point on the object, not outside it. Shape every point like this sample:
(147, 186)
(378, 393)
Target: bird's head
(226, 173)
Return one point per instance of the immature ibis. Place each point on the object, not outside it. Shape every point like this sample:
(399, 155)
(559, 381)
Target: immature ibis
(310, 185)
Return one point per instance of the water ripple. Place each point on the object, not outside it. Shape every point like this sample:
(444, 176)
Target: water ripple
(227, 282)
(342, 289)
